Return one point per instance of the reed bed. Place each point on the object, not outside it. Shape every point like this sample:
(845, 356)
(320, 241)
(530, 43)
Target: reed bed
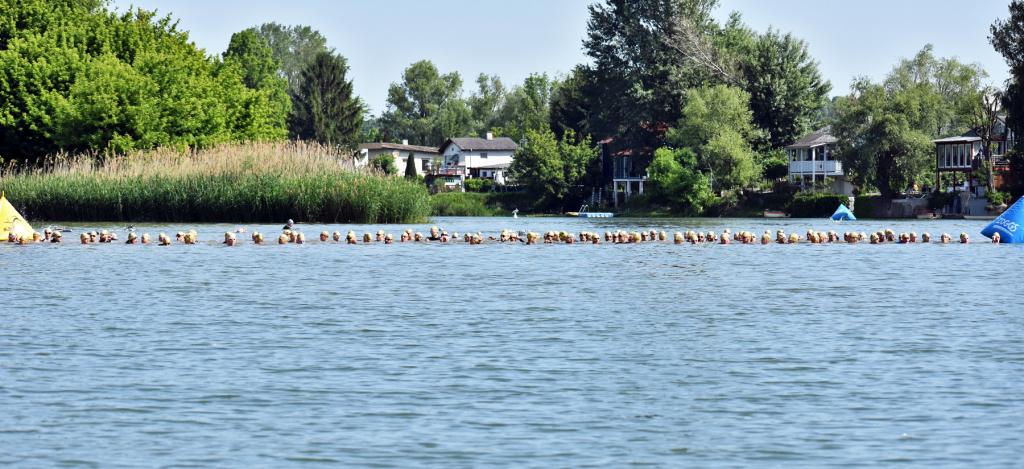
(257, 182)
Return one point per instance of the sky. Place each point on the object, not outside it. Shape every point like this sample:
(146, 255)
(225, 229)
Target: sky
(512, 39)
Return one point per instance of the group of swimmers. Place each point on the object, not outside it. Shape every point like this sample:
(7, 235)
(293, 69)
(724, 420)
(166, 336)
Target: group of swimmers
(291, 236)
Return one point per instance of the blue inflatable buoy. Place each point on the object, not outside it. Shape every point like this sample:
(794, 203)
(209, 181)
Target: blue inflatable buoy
(843, 213)
(1008, 225)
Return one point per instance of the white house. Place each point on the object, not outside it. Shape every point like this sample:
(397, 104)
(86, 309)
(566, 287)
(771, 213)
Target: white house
(425, 158)
(488, 157)
(812, 159)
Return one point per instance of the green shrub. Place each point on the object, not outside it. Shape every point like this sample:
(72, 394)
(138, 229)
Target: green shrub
(479, 185)
(815, 204)
(463, 204)
(998, 198)
(937, 200)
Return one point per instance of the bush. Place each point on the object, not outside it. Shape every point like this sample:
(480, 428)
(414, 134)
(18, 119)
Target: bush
(479, 185)
(463, 204)
(997, 198)
(816, 204)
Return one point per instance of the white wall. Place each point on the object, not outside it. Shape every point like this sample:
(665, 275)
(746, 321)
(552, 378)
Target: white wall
(455, 156)
(399, 156)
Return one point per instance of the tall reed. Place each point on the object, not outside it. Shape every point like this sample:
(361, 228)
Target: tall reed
(256, 182)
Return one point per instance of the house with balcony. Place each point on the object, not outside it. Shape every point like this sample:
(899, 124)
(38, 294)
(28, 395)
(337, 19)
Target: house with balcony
(489, 157)
(961, 155)
(426, 159)
(813, 163)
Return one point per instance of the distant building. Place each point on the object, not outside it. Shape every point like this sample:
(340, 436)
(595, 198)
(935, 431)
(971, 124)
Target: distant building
(472, 157)
(426, 158)
(962, 154)
(812, 160)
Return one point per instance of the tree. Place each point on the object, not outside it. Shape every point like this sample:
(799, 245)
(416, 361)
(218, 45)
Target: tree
(410, 166)
(75, 76)
(1007, 37)
(569, 108)
(881, 143)
(326, 110)
(678, 182)
(527, 106)
(426, 107)
(785, 86)
(487, 102)
(551, 169)
(253, 54)
(716, 125)
(385, 163)
(638, 83)
(293, 48)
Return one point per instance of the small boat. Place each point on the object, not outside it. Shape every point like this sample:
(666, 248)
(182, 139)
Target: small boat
(775, 214)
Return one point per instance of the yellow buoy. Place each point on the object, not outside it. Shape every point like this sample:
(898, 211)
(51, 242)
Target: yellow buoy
(11, 221)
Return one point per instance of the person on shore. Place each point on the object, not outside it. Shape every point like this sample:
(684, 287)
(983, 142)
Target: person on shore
(964, 239)
(145, 238)
(132, 238)
(229, 239)
(324, 236)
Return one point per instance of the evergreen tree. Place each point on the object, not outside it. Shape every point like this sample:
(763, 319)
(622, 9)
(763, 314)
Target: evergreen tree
(1007, 36)
(325, 109)
(410, 167)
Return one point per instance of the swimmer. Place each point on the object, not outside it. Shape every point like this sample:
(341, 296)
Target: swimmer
(945, 238)
(388, 239)
(350, 238)
(229, 239)
(926, 237)
(367, 238)
(996, 238)
(336, 236)
(257, 238)
(794, 238)
(164, 240)
(283, 239)
(145, 238)
(47, 234)
(324, 236)
(964, 239)
(56, 237)
(132, 237)
(300, 238)
(84, 237)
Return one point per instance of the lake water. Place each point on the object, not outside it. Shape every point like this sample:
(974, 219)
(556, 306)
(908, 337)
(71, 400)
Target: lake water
(505, 355)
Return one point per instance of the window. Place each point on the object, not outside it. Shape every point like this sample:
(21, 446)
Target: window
(483, 155)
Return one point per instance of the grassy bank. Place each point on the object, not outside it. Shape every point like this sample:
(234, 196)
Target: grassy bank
(266, 182)
(464, 204)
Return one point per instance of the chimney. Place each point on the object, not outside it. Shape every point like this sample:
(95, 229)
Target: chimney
(490, 136)
(405, 141)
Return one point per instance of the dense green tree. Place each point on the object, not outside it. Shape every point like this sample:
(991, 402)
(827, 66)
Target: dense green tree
(552, 169)
(716, 124)
(881, 139)
(75, 76)
(1007, 37)
(527, 106)
(426, 107)
(569, 107)
(486, 102)
(785, 86)
(253, 54)
(638, 81)
(410, 166)
(293, 48)
(678, 182)
(326, 110)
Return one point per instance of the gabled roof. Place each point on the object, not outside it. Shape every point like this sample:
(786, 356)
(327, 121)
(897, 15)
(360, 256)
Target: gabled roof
(477, 144)
(822, 136)
(959, 139)
(397, 146)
